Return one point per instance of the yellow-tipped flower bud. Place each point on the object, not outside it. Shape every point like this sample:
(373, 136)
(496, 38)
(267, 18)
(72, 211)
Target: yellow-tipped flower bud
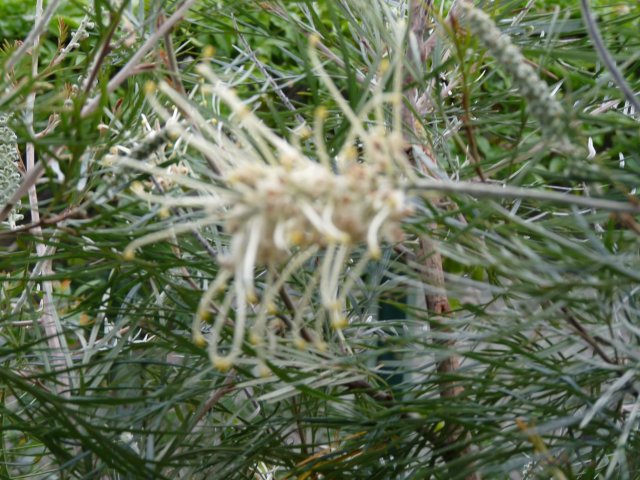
(150, 87)
(272, 308)
(384, 66)
(338, 322)
(108, 160)
(208, 52)
(314, 40)
(255, 339)
(222, 364)
(296, 238)
(321, 112)
(252, 298)
(350, 153)
(262, 370)
(299, 343)
(84, 319)
(320, 346)
(198, 340)
(304, 132)
(137, 187)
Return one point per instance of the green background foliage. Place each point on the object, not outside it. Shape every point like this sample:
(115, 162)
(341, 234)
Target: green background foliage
(544, 295)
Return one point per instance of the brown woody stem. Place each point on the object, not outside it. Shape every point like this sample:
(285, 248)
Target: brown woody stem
(433, 272)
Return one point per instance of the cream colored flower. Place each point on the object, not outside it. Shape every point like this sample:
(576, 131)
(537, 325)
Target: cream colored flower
(283, 209)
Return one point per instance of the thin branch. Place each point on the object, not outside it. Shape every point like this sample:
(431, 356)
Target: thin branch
(360, 77)
(33, 38)
(171, 60)
(486, 190)
(49, 320)
(171, 63)
(359, 385)
(580, 330)
(227, 386)
(69, 212)
(28, 181)
(455, 441)
(606, 57)
(36, 172)
(267, 76)
(473, 150)
(179, 212)
(133, 62)
(102, 54)
(366, 388)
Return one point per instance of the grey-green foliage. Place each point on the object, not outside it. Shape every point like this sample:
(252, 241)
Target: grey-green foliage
(544, 296)
(9, 173)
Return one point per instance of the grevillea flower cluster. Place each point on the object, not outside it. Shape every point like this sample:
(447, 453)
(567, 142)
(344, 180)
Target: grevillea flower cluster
(283, 210)
(546, 109)
(301, 206)
(301, 203)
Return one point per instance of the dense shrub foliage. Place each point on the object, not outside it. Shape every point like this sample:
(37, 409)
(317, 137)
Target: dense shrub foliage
(333, 239)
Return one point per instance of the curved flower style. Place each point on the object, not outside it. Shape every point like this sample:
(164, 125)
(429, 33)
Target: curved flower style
(281, 208)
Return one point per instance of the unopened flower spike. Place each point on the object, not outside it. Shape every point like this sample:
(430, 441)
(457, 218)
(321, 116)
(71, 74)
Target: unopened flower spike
(542, 105)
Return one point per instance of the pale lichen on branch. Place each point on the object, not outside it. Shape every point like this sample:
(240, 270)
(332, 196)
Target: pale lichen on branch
(10, 176)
